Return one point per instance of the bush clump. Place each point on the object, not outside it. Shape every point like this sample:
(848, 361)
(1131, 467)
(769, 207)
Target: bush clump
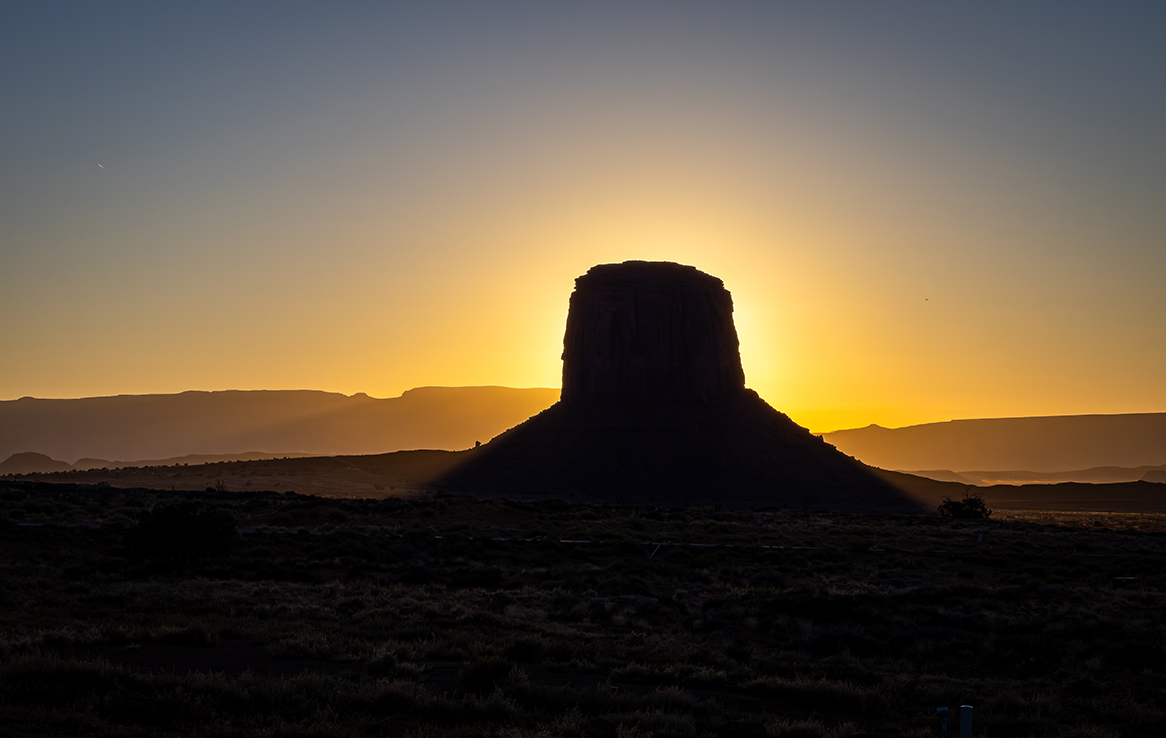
(184, 532)
(483, 677)
(971, 507)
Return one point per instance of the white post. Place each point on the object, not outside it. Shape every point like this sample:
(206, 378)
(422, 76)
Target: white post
(965, 721)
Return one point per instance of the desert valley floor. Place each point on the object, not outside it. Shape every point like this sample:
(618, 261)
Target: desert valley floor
(427, 615)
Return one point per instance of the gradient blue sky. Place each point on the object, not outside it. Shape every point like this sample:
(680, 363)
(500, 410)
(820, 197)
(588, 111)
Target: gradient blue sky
(923, 211)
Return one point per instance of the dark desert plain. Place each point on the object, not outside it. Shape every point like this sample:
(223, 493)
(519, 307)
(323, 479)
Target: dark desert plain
(675, 370)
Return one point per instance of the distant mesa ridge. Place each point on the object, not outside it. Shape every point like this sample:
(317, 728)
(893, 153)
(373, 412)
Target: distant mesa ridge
(654, 409)
(285, 422)
(31, 462)
(1034, 445)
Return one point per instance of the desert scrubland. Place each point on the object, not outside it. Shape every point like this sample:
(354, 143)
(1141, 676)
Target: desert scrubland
(136, 612)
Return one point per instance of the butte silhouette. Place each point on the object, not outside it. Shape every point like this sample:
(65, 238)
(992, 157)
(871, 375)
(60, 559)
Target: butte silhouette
(654, 410)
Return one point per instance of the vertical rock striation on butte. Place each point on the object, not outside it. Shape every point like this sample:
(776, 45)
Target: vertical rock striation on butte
(642, 331)
(654, 409)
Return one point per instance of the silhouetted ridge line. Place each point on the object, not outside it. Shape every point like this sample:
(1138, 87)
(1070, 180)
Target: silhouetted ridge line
(134, 427)
(1042, 444)
(654, 409)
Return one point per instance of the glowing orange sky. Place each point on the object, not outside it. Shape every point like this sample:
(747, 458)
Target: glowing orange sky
(376, 200)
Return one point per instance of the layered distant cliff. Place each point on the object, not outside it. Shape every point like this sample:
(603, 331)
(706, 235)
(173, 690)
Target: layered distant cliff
(1039, 444)
(135, 427)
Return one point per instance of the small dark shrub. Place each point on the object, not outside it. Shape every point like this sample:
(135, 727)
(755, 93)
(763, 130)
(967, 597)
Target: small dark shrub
(559, 652)
(394, 700)
(384, 665)
(1137, 657)
(770, 578)
(182, 532)
(971, 507)
(50, 682)
(483, 677)
(482, 578)
(499, 601)
(830, 642)
(195, 635)
(526, 650)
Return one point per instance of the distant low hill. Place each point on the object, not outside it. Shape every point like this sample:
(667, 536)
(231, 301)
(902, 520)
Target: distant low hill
(409, 473)
(30, 462)
(284, 422)
(1039, 444)
(90, 463)
(1096, 475)
(1122, 497)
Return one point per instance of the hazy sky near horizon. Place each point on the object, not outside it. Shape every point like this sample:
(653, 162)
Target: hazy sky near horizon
(923, 211)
